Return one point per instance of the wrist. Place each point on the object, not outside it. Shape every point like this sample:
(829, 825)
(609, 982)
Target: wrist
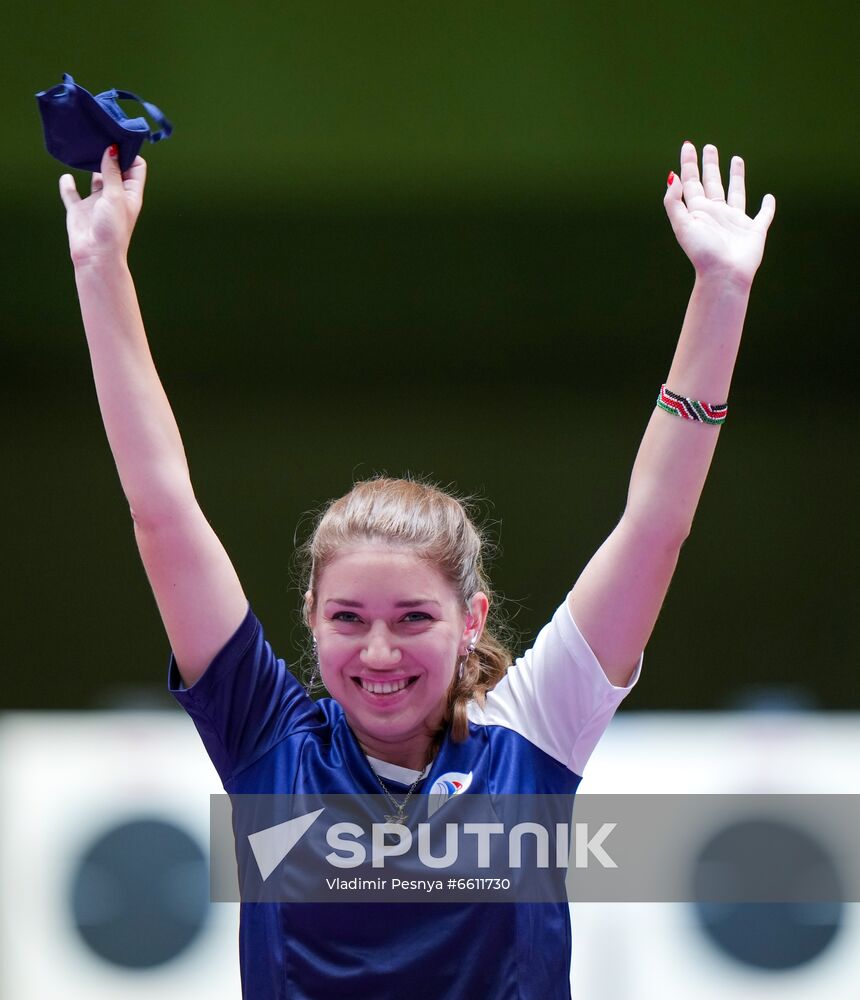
(725, 281)
(101, 268)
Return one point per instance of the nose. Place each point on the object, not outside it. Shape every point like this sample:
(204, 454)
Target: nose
(380, 652)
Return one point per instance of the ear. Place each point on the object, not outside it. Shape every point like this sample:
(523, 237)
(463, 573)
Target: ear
(476, 617)
(310, 610)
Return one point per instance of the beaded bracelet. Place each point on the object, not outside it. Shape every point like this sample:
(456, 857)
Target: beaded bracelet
(691, 409)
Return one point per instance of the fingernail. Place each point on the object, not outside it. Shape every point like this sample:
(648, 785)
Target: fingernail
(671, 177)
(114, 150)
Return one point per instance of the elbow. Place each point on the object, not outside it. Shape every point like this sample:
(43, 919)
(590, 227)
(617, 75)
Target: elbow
(679, 533)
(143, 519)
(662, 531)
(155, 516)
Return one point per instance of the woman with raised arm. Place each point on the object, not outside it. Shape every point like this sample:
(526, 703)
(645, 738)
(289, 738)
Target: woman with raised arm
(198, 593)
(424, 696)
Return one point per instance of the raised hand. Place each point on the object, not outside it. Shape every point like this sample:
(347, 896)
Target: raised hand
(100, 226)
(714, 230)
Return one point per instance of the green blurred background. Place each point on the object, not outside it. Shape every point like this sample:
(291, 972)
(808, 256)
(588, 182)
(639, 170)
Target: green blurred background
(430, 238)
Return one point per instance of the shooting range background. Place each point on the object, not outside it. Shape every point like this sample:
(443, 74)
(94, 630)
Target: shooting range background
(396, 238)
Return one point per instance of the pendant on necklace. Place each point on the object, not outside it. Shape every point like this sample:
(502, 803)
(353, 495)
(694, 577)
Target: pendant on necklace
(400, 818)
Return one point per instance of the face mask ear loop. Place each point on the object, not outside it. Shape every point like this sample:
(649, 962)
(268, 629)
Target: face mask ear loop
(156, 114)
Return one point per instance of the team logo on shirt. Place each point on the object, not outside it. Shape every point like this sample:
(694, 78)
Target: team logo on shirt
(446, 787)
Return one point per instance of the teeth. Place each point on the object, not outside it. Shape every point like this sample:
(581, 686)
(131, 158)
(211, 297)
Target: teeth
(383, 688)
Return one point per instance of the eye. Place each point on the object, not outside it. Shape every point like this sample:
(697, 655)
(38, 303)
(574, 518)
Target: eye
(345, 616)
(417, 616)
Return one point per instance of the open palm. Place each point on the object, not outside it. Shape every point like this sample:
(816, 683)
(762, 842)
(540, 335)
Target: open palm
(713, 229)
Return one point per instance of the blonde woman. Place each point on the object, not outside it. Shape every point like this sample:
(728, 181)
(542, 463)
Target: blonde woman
(397, 604)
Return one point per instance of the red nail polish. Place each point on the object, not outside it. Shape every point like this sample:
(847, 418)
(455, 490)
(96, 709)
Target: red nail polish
(671, 177)
(114, 150)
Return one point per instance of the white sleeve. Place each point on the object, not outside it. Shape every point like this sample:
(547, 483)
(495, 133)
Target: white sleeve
(556, 694)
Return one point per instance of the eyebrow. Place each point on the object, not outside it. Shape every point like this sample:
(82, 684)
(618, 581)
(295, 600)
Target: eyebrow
(399, 604)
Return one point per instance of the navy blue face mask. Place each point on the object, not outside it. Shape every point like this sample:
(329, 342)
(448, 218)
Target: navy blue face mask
(79, 127)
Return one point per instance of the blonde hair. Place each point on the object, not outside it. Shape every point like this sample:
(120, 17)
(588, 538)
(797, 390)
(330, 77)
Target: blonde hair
(438, 527)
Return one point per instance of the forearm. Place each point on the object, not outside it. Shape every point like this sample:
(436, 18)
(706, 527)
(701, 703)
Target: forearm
(710, 338)
(675, 454)
(138, 420)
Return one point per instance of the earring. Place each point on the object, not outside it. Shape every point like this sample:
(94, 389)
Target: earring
(312, 681)
(469, 650)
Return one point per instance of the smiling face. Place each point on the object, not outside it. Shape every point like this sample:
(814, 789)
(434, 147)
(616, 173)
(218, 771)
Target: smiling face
(390, 629)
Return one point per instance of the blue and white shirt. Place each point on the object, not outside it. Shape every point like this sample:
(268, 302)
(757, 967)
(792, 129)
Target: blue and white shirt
(534, 734)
